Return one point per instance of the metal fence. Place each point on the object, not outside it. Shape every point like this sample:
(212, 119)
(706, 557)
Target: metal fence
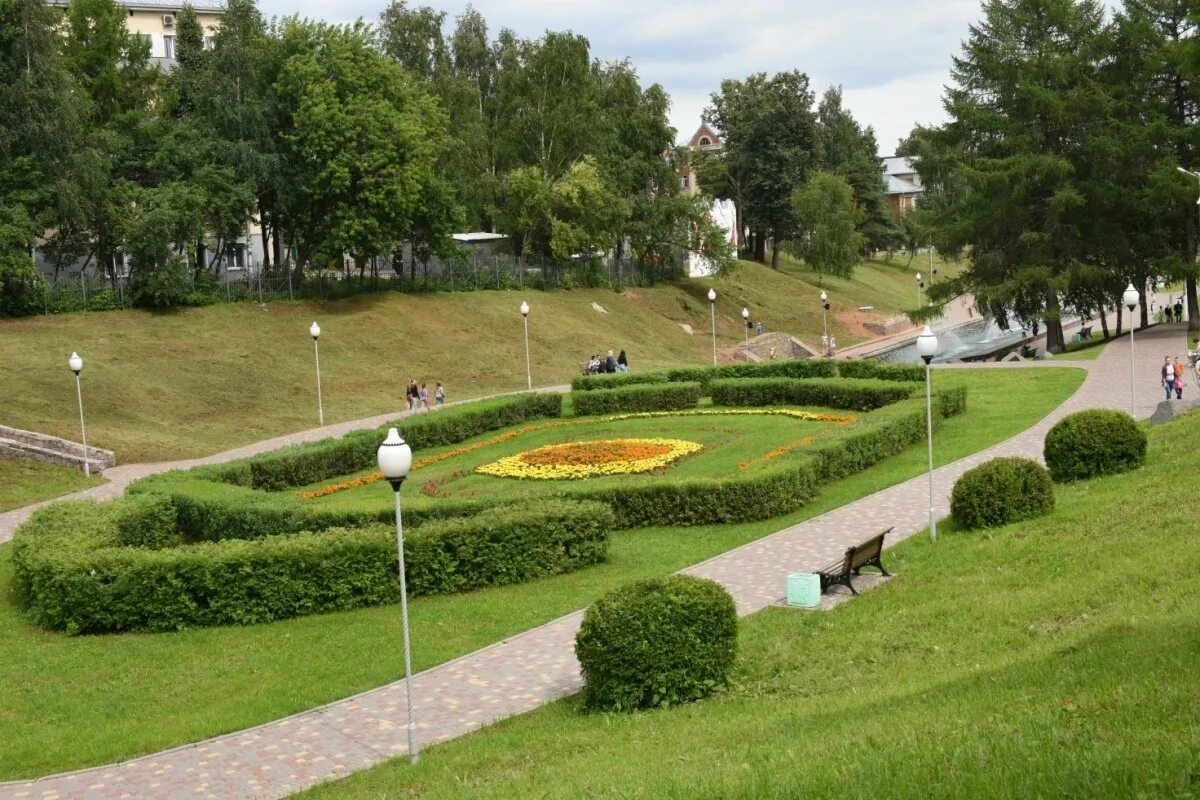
(92, 292)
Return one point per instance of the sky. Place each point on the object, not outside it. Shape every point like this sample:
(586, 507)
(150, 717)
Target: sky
(891, 59)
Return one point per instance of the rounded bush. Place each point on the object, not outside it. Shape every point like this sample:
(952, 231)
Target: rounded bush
(655, 643)
(1095, 442)
(1001, 491)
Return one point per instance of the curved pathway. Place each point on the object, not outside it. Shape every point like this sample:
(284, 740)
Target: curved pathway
(536, 667)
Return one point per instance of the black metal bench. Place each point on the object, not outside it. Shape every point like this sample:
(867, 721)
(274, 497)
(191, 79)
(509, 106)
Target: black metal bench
(865, 554)
(1085, 333)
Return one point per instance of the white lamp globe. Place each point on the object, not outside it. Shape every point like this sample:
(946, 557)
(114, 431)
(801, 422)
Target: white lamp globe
(75, 363)
(315, 330)
(918, 277)
(927, 344)
(524, 309)
(746, 314)
(712, 295)
(824, 297)
(394, 457)
(1131, 297)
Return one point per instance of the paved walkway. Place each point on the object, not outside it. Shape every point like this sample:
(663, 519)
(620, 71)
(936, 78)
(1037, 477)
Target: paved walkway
(121, 476)
(536, 667)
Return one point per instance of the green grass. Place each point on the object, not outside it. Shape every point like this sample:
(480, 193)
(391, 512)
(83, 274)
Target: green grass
(1052, 658)
(133, 693)
(1084, 350)
(23, 482)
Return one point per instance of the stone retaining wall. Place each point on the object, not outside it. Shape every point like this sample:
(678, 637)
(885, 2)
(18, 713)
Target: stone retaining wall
(17, 443)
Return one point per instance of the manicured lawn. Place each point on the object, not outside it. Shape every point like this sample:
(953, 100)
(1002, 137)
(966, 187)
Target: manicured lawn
(71, 702)
(1052, 658)
(23, 482)
(1086, 350)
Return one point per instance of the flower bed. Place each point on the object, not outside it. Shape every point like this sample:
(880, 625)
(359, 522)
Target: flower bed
(591, 459)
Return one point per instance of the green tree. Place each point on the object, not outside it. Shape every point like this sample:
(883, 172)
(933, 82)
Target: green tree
(851, 152)
(827, 225)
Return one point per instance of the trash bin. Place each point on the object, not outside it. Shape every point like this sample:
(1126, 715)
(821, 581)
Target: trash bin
(804, 589)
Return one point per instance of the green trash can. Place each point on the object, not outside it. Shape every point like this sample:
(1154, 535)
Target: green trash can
(804, 589)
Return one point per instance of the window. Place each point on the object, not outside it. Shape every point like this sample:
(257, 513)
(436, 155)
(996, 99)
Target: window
(168, 46)
(683, 181)
(705, 141)
(208, 43)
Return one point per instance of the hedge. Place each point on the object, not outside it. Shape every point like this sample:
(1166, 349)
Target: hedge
(1094, 442)
(798, 368)
(656, 643)
(652, 397)
(309, 463)
(1001, 491)
(857, 395)
(868, 368)
(73, 574)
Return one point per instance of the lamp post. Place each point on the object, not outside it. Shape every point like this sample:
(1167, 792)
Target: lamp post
(825, 323)
(712, 308)
(927, 345)
(746, 319)
(528, 365)
(76, 365)
(395, 460)
(1131, 298)
(920, 286)
(315, 331)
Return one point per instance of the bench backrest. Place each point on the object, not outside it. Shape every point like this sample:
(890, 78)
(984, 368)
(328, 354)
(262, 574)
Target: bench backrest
(860, 554)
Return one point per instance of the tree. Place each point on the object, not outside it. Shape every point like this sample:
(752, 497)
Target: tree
(771, 145)
(413, 38)
(1009, 164)
(851, 152)
(827, 224)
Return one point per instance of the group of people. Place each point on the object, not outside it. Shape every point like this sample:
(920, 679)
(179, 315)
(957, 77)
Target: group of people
(418, 396)
(596, 364)
(1172, 377)
(1174, 313)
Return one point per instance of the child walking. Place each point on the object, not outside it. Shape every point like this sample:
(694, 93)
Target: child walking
(439, 394)
(425, 396)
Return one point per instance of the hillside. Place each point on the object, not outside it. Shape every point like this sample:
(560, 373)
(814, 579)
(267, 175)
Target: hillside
(167, 385)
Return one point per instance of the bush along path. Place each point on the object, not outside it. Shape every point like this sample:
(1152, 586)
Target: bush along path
(536, 667)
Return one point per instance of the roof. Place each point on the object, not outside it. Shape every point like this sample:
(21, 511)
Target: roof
(900, 186)
(704, 130)
(168, 6)
(477, 236)
(898, 165)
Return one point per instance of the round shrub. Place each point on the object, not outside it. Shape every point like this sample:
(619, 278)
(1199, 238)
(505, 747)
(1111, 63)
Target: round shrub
(1001, 491)
(655, 643)
(1095, 442)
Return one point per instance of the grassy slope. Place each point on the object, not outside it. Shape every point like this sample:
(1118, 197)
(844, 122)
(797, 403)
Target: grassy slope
(134, 693)
(1050, 658)
(23, 482)
(196, 381)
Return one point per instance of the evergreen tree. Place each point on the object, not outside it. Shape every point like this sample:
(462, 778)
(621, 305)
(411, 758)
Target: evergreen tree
(851, 152)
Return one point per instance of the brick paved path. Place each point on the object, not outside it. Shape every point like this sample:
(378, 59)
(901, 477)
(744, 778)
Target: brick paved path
(536, 667)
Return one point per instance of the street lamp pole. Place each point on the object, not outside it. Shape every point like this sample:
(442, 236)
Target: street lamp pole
(76, 365)
(528, 364)
(1131, 298)
(395, 460)
(712, 308)
(315, 331)
(927, 345)
(825, 324)
(746, 319)
(920, 286)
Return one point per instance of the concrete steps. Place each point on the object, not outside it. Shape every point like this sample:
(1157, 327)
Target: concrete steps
(16, 443)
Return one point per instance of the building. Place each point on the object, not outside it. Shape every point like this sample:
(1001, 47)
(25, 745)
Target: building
(704, 140)
(903, 184)
(155, 20)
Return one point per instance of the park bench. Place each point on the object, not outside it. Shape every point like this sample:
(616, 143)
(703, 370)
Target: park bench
(865, 554)
(1085, 333)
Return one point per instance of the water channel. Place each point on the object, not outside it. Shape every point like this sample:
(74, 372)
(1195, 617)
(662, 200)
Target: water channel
(970, 339)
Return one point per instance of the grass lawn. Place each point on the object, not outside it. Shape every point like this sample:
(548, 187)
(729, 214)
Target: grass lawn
(1086, 350)
(1052, 658)
(190, 382)
(23, 482)
(136, 693)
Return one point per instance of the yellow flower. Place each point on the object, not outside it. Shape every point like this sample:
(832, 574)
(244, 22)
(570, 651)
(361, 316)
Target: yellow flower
(591, 459)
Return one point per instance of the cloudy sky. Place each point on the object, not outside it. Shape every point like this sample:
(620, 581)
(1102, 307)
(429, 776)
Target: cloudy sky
(892, 59)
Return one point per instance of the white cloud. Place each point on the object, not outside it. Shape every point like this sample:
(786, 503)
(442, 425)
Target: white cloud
(891, 60)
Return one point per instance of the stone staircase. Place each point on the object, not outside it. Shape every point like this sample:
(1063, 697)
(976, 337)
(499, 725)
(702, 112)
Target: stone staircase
(16, 443)
(783, 345)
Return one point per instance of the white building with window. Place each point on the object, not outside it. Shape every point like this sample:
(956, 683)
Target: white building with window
(156, 20)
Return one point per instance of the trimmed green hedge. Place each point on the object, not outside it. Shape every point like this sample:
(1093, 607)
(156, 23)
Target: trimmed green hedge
(652, 397)
(309, 463)
(857, 395)
(73, 573)
(657, 643)
(868, 368)
(1096, 442)
(799, 368)
(1001, 491)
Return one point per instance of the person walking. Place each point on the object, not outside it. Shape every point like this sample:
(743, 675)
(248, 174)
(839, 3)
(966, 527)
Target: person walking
(425, 397)
(1168, 376)
(1179, 310)
(622, 362)
(439, 394)
(1178, 369)
(411, 393)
